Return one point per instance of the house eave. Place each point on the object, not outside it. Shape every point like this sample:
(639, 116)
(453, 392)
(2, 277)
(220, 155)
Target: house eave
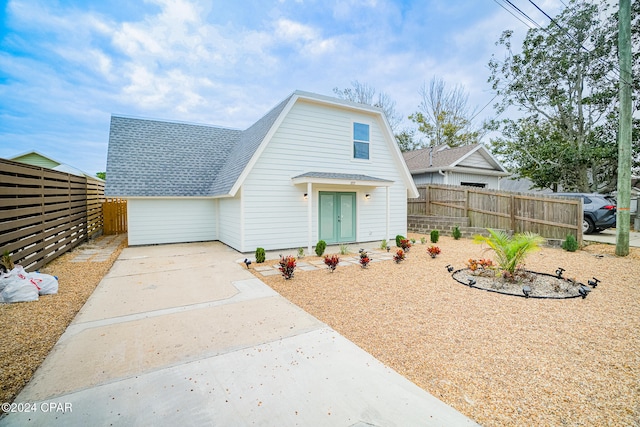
(458, 169)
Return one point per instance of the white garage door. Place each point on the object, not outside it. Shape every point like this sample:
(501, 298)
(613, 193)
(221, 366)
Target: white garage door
(153, 221)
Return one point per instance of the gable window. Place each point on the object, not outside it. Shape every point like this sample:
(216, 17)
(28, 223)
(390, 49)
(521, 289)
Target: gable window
(360, 141)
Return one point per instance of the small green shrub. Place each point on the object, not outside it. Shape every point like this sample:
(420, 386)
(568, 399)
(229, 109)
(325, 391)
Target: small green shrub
(383, 244)
(300, 252)
(570, 244)
(399, 238)
(344, 249)
(320, 247)
(456, 233)
(260, 255)
(423, 240)
(435, 236)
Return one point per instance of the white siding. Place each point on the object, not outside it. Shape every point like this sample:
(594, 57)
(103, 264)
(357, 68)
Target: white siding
(476, 160)
(314, 138)
(458, 178)
(174, 220)
(428, 178)
(229, 221)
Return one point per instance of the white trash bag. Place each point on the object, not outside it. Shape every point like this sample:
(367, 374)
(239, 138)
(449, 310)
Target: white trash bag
(46, 283)
(18, 287)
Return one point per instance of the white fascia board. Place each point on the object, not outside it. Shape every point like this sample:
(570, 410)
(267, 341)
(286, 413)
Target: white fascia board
(460, 169)
(337, 181)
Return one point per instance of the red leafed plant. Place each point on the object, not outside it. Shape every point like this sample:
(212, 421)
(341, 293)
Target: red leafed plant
(399, 256)
(405, 244)
(287, 266)
(331, 261)
(433, 251)
(364, 259)
(479, 265)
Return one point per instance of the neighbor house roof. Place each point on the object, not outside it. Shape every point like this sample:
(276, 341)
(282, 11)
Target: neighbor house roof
(153, 158)
(36, 158)
(443, 157)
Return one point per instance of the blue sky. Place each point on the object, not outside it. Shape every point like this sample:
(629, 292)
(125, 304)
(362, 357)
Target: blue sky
(66, 66)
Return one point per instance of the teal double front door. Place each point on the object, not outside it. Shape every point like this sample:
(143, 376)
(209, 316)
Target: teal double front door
(337, 217)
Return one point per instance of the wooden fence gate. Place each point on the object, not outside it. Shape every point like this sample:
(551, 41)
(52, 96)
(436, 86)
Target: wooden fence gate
(114, 212)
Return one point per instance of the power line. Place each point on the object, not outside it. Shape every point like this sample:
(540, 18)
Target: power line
(615, 69)
(513, 14)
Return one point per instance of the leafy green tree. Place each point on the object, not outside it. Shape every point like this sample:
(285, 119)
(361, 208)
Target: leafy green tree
(101, 175)
(564, 85)
(406, 140)
(444, 116)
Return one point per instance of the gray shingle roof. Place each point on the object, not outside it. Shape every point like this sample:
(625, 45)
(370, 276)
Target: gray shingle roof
(439, 158)
(157, 158)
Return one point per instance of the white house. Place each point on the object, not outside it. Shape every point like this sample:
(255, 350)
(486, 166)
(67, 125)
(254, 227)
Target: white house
(313, 168)
(471, 165)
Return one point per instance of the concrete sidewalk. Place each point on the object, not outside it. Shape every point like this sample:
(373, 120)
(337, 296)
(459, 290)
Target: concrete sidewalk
(609, 236)
(184, 335)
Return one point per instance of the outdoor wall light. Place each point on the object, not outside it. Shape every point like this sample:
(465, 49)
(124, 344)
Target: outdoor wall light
(593, 283)
(559, 272)
(472, 282)
(367, 196)
(526, 290)
(306, 196)
(449, 268)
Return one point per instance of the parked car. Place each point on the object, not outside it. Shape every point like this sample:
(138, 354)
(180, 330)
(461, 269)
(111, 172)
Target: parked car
(599, 211)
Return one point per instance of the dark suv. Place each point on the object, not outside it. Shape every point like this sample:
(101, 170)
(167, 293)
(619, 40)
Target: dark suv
(599, 212)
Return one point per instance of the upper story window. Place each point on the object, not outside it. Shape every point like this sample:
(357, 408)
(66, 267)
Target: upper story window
(360, 141)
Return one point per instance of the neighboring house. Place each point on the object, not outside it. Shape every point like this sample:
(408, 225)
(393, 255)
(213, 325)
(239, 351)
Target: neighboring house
(35, 158)
(522, 185)
(312, 168)
(471, 165)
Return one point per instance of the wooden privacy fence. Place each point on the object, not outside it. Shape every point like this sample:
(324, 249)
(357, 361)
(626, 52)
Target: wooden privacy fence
(114, 212)
(551, 217)
(44, 213)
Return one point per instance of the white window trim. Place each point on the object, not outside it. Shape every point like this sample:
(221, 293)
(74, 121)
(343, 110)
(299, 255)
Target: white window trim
(354, 140)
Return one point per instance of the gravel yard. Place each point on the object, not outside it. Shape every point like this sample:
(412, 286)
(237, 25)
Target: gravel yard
(499, 359)
(30, 329)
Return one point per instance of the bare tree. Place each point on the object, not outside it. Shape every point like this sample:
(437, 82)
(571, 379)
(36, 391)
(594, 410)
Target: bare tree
(362, 93)
(444, 116)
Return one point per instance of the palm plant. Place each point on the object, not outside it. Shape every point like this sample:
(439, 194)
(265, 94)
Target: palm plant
(510, 251)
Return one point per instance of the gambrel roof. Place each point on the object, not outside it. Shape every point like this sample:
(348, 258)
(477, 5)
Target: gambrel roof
(153, 158)
(473, 158)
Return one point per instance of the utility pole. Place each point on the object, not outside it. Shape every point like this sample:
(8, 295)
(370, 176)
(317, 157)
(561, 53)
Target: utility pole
(624, 130)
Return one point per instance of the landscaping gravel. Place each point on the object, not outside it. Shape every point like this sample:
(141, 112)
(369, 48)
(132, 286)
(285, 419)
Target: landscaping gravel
(30, 329)
(499, 359)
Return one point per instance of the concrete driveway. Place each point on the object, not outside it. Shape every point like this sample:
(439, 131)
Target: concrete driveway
(609, 236)
(184, 335)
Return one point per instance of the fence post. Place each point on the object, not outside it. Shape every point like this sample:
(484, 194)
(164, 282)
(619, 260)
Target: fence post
(466, 203)
(427, 210)
(513, 213)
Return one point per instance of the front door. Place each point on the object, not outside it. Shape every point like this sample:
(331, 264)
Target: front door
(337, 217)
